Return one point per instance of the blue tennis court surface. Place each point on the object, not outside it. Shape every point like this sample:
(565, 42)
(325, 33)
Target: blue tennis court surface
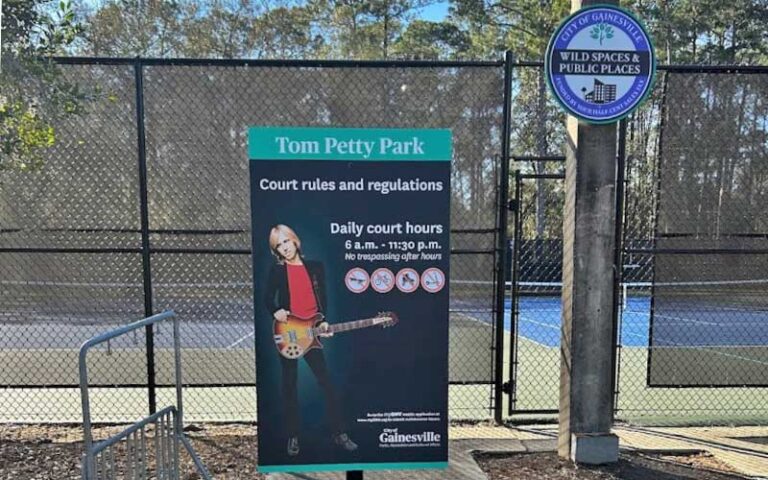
(677, 324)
(540, 318)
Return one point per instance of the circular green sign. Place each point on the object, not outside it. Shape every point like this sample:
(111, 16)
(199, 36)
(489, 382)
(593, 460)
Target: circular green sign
(600, 64)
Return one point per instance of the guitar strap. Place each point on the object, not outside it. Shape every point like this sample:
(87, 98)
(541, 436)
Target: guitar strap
(316, 289)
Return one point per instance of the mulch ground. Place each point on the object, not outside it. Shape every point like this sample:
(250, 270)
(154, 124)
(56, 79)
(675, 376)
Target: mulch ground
(631, 466)
(48, 452)
(229, 451)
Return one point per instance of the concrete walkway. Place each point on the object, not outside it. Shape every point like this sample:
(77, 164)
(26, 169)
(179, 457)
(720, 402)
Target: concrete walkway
(744, 449)
(461, 464)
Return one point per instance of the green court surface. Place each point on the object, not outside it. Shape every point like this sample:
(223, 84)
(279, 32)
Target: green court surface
(470, 362)
(538, 385)
(469, 358)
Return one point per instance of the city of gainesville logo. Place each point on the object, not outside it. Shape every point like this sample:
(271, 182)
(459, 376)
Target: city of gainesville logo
(393, 436)
(600, 64)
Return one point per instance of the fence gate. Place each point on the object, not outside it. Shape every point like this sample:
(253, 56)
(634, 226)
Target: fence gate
(536, 276)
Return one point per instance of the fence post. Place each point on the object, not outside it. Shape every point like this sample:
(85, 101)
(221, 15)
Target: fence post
(618, 272)
(501, 247)
(513, 310)
(145, 253)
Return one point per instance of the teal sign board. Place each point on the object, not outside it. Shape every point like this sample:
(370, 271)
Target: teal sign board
(338, 144)
(350, 232)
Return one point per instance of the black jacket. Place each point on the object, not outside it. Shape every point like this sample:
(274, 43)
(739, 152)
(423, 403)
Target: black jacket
(276, 294)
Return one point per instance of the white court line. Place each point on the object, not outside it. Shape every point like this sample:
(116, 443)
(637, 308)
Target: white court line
(542, 344)
(543, 324)
(713, 308)
(238, 341)
(734, 326)
(27, 319)
(695, 321)
(705, 348)
(36, 283)
(687, 322)
(536, 342)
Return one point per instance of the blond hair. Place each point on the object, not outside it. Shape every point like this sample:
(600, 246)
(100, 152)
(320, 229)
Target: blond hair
(274, 234)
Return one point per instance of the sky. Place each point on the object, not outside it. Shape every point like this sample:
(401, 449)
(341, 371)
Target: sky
(435, 12)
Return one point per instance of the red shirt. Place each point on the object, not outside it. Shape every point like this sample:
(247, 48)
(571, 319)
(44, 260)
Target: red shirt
(303, 301)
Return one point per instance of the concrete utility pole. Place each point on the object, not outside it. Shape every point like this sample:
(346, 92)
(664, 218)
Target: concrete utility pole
(587, 343)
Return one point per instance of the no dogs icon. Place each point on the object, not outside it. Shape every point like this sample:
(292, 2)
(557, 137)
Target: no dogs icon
(407, 280)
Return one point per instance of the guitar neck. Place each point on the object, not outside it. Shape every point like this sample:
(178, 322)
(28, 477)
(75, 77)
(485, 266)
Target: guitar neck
(346, 326)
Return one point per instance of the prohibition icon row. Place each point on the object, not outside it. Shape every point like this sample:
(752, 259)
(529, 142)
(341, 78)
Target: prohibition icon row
(383, 280)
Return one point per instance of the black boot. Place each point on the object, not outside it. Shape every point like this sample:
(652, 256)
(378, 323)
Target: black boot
(343, 440)
(293, 446)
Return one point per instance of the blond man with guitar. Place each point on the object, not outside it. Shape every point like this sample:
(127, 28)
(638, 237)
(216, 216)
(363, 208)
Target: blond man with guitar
(295, 293)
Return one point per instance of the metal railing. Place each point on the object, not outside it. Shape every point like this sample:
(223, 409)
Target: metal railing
(126, 454)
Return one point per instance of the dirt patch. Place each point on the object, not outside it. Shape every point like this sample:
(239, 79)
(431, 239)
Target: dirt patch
(44, 452)
(631, 466)
(700, 460)
(38, 452)
(39, 460)
(227, 451)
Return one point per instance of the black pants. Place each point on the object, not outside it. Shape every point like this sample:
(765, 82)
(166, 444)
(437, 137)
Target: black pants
(316, 361)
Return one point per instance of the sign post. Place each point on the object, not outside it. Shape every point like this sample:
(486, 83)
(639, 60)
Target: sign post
(350, 232)
(600, 66)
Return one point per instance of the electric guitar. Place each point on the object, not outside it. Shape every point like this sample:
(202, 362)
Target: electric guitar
(296, 336)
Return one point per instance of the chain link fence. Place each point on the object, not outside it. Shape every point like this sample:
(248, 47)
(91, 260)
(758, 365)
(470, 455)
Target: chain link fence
(697, 157)
(143, 205)
(691, 302)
